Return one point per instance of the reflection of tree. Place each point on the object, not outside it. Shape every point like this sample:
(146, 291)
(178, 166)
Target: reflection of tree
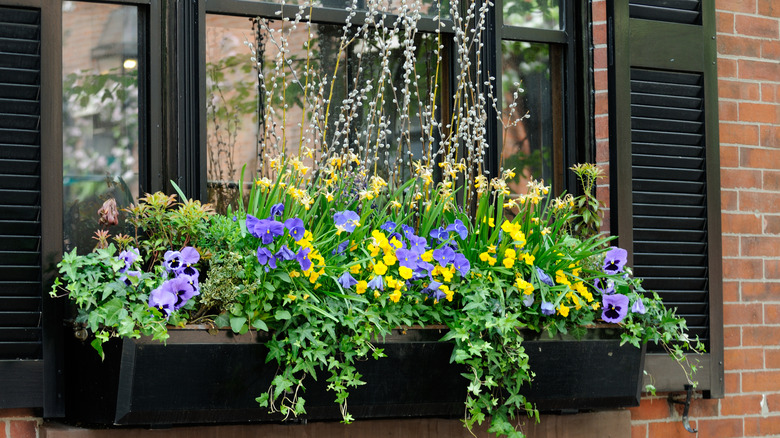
(100, 143)
(528, 145)
(532, 13)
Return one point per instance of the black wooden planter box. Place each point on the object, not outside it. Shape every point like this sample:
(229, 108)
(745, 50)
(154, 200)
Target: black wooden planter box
(198, 378)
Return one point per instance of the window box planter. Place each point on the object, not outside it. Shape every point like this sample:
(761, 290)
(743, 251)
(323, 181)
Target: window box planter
(199, 378)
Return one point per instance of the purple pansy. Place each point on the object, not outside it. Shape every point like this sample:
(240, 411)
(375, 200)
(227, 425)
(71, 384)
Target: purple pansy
(162, 300)
(461, 263)
(439, 233)
(434, 290)
(528, 300)
(543, 277)
(285, 253)
(125, 278)
(615, 260)
(604, 285)
(267, 230)
(398, 243)
(388, 226)
(377, 283)
(615, 307)
(129, 256)
(266, 257)
(172, 261)
(182, 289)
(639, 306)
(346, 280)
(341, 248)
(303, 258)
(407, 258)
(407, 230)
(547, 308)
(295, 226)
(417, 244)
(346, 220)
(444, 255)
(459, 228)
(276, 210)
(188, 257)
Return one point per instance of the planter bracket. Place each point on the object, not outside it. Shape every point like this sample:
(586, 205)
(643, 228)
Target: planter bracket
(688, 396)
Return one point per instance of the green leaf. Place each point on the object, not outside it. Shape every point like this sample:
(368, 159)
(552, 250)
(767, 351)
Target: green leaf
(282, 315)
(236, 323)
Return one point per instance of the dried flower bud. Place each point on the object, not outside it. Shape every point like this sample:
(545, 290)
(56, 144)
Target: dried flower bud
(108, 213)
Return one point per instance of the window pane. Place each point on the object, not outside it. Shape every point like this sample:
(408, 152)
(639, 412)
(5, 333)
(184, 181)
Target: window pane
(540, 14)
(321, 109)
(100, 113)
(531, 138)
(428, 8)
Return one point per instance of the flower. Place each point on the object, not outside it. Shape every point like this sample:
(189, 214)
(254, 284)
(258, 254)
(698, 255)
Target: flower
(407, 258)
(604, 286)
(172, 261)
(303, 258)
(543, 277)
(439, 233)
(461, 263)
(346, 280)
(264, 229)
(444, 255)
(388, 226)
(341, 248)
(295, 226)
(528, 300)
(458, 227)
(162, 300)
(615, 260)
(188, 257)
(615, 308)
(108, 213)
(547, 308)
(266, 257)
(376, 283)
(129, 256)
(638, 306)
(276, 210)
(285, 253)
(346, 220)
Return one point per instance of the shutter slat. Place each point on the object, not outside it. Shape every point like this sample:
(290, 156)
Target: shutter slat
(664, 14)
(669, 191)
(20, 179)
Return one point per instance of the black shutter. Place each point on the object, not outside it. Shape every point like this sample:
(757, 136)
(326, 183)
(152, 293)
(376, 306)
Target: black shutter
(664, 165)
(20, 208)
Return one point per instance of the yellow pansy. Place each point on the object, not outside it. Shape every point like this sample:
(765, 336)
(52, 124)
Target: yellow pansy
(389, 259)
(564, 311)
(380, 268)
(395, 296)
(355, 269)
(405, 273)
(361, 287)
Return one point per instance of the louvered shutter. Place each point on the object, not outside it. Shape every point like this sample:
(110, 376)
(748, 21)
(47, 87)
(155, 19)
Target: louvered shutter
(20, 208)
(665, 193)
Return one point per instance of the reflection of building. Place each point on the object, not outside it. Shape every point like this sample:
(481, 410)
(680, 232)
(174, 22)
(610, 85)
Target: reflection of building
(172, 139)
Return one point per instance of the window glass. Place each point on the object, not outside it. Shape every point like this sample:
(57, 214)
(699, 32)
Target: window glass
(100, 114)
(540, 14)
(292, 90)
(529, 140)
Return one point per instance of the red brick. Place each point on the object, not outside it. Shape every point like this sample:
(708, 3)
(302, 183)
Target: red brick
(729, 156)
(748, 6)
(743, 359)
(599, 11)
(759, 112)
(600, 58)
(725, 22)
(737, 133)
(602, 127)
(761, 381)
(770, 92)
(732, 337)
(771, 226)
(772, 271)
(760, 202)
(764, 246)
(728, 111)
(602, 152)
(771, 180)
(738, 90)
(772, 360)
(672, 429)
(722, 428)
(732, 382)
(2, 430)
(773, 402)
(22, 429)
(601, 80)
(760, 336)
(727, 68)
(739, 314)
(743, 223)
(730, 291)
(770, 135)
(730, 246)
(650, 409)
(743, 269)
(600, 34)
(738, 46)
(760, 158)
(638, 431)
(770, 49)
(769, 9)
(760, 291)
(728, 200)
(756, 26)
(762, 426)
(601, 105)
(758, 70)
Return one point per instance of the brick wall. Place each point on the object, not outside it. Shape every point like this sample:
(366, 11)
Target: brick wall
(18, 423)
(749, 107)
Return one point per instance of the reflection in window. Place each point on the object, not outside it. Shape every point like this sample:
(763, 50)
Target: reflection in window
(539, 14)
(329, 108)
(528, 145)
(100, 114)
